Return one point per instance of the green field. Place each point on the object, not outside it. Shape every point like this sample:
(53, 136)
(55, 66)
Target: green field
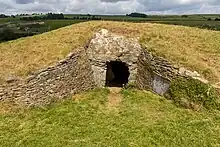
(6, 20)
(55, 24)
(140, 119)
(211, 25)
(16, 28)
(13, 28)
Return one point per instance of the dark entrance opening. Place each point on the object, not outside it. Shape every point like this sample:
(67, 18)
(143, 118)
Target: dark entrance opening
(117, 74)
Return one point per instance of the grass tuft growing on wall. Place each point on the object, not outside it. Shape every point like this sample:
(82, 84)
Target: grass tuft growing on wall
(192, 93)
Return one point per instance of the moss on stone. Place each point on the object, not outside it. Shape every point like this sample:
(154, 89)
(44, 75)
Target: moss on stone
(192, 93)
(130, 85)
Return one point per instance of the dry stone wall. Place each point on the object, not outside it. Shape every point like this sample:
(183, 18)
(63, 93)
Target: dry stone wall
(69, 76)
(154, 73)
(86, 69)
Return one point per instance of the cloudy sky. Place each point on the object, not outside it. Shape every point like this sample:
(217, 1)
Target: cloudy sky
(110, 6)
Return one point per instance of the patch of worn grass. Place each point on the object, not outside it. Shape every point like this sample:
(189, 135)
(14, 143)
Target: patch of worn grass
(194, 48)
(143, 119)
(9, 107)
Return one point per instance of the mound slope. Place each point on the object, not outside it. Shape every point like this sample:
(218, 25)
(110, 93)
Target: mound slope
(193, 48)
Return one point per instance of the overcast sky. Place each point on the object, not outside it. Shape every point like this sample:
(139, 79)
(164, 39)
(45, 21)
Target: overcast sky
(110, 6)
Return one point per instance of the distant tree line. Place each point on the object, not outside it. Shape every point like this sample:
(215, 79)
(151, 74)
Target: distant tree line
(22, 14)
(137, 15)
(88, 17)
(45, 17)
(3, 16)
(184, 16)
(59, 16)
(216, 19)
(54, 16)
(6, 16)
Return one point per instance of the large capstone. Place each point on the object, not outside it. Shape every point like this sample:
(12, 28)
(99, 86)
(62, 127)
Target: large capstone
(113, 58)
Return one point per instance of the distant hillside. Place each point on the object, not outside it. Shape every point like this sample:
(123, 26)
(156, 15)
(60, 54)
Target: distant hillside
(194, 48)
(14, 27)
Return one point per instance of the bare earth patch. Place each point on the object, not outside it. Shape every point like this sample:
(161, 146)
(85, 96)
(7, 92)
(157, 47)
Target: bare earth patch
(114, 97)
(8, 107)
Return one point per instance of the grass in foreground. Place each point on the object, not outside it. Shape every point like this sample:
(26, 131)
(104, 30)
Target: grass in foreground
(141, 119)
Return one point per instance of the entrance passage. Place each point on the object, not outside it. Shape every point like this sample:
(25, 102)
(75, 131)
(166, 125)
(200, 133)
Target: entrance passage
(117, 74)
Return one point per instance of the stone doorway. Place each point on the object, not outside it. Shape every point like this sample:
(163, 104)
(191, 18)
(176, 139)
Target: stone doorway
(117, 74)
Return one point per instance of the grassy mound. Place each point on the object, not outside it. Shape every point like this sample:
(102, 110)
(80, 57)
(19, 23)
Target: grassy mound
(194, 48)
(141, 119)
(192, 93)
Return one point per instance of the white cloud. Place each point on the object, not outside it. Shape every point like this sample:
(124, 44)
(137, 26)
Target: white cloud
(110, 6)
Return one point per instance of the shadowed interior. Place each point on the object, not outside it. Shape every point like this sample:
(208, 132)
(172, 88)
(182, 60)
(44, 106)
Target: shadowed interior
(117, 74)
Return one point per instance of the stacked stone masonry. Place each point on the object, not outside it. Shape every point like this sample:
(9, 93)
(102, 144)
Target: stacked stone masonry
(86, 69)
(69, 76)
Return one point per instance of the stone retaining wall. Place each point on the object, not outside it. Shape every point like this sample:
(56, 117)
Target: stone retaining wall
(69, 76)
(86, 69)
(154, 73)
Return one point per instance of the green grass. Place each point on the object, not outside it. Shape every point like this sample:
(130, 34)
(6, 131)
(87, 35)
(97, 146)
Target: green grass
(14, 28)
(55, 24)
(3, 20)
(204, 24)
(192, 93)
(14, 20)
(142, 119)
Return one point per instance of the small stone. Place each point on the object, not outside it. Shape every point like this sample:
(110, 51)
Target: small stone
(11, 79)
(196, 74)
(182, 71)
